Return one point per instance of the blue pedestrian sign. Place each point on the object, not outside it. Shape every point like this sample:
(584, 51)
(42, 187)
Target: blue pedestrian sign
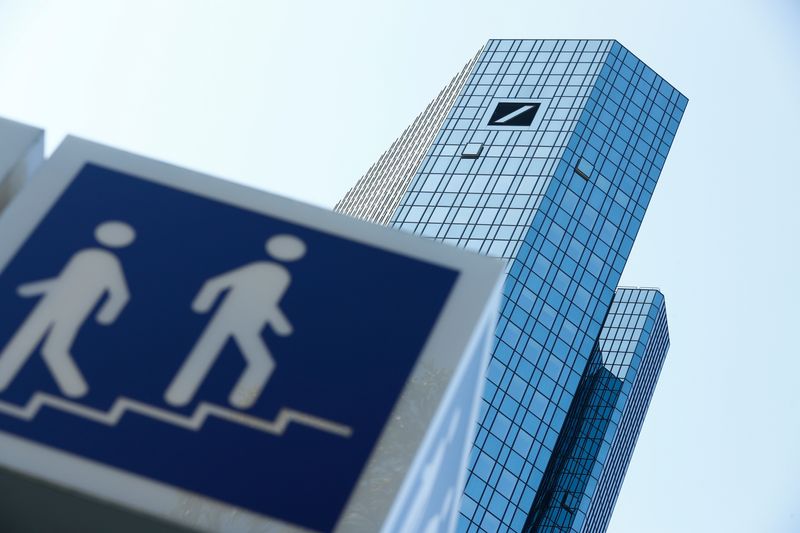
(186, 339)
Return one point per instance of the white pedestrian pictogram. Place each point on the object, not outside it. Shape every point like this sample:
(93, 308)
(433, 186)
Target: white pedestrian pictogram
(67, 301)
(252, 294)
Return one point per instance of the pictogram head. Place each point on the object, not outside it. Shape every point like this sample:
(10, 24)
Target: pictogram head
(115, 234)
(286, 248)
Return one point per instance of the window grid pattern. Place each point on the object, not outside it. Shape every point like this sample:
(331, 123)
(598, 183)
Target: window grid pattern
(595, 445)
(620, 452)
(375, 196)
(560, 284)
(486, 204)
(566, 238)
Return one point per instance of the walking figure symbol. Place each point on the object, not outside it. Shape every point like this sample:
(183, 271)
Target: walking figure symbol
(252, 294)
(249, 302)
(66, 304)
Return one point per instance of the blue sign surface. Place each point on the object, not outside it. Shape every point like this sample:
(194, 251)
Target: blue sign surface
(215, 349)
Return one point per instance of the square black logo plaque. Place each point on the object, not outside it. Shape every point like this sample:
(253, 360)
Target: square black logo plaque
(514, 114)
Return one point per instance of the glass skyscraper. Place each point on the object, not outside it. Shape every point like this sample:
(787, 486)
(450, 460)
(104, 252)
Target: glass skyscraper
(545, 153)
(583, 479)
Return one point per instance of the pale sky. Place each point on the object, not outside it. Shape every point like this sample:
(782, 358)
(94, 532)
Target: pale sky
(300, 97)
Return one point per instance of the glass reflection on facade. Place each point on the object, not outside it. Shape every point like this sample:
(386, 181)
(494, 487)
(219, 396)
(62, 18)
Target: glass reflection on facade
(581, 483)
(545, 153)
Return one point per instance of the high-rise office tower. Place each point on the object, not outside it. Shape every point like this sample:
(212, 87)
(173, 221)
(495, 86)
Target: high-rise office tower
(544, 153)
(583, 479)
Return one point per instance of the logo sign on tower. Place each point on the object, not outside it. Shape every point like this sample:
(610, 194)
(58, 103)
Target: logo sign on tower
(514, 113)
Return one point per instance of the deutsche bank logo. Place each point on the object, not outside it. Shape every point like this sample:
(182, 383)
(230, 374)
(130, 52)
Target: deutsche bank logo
(222, 351)
(514, 113)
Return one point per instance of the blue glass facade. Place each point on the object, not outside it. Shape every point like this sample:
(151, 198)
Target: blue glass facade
(561, 198)
(595, 445)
